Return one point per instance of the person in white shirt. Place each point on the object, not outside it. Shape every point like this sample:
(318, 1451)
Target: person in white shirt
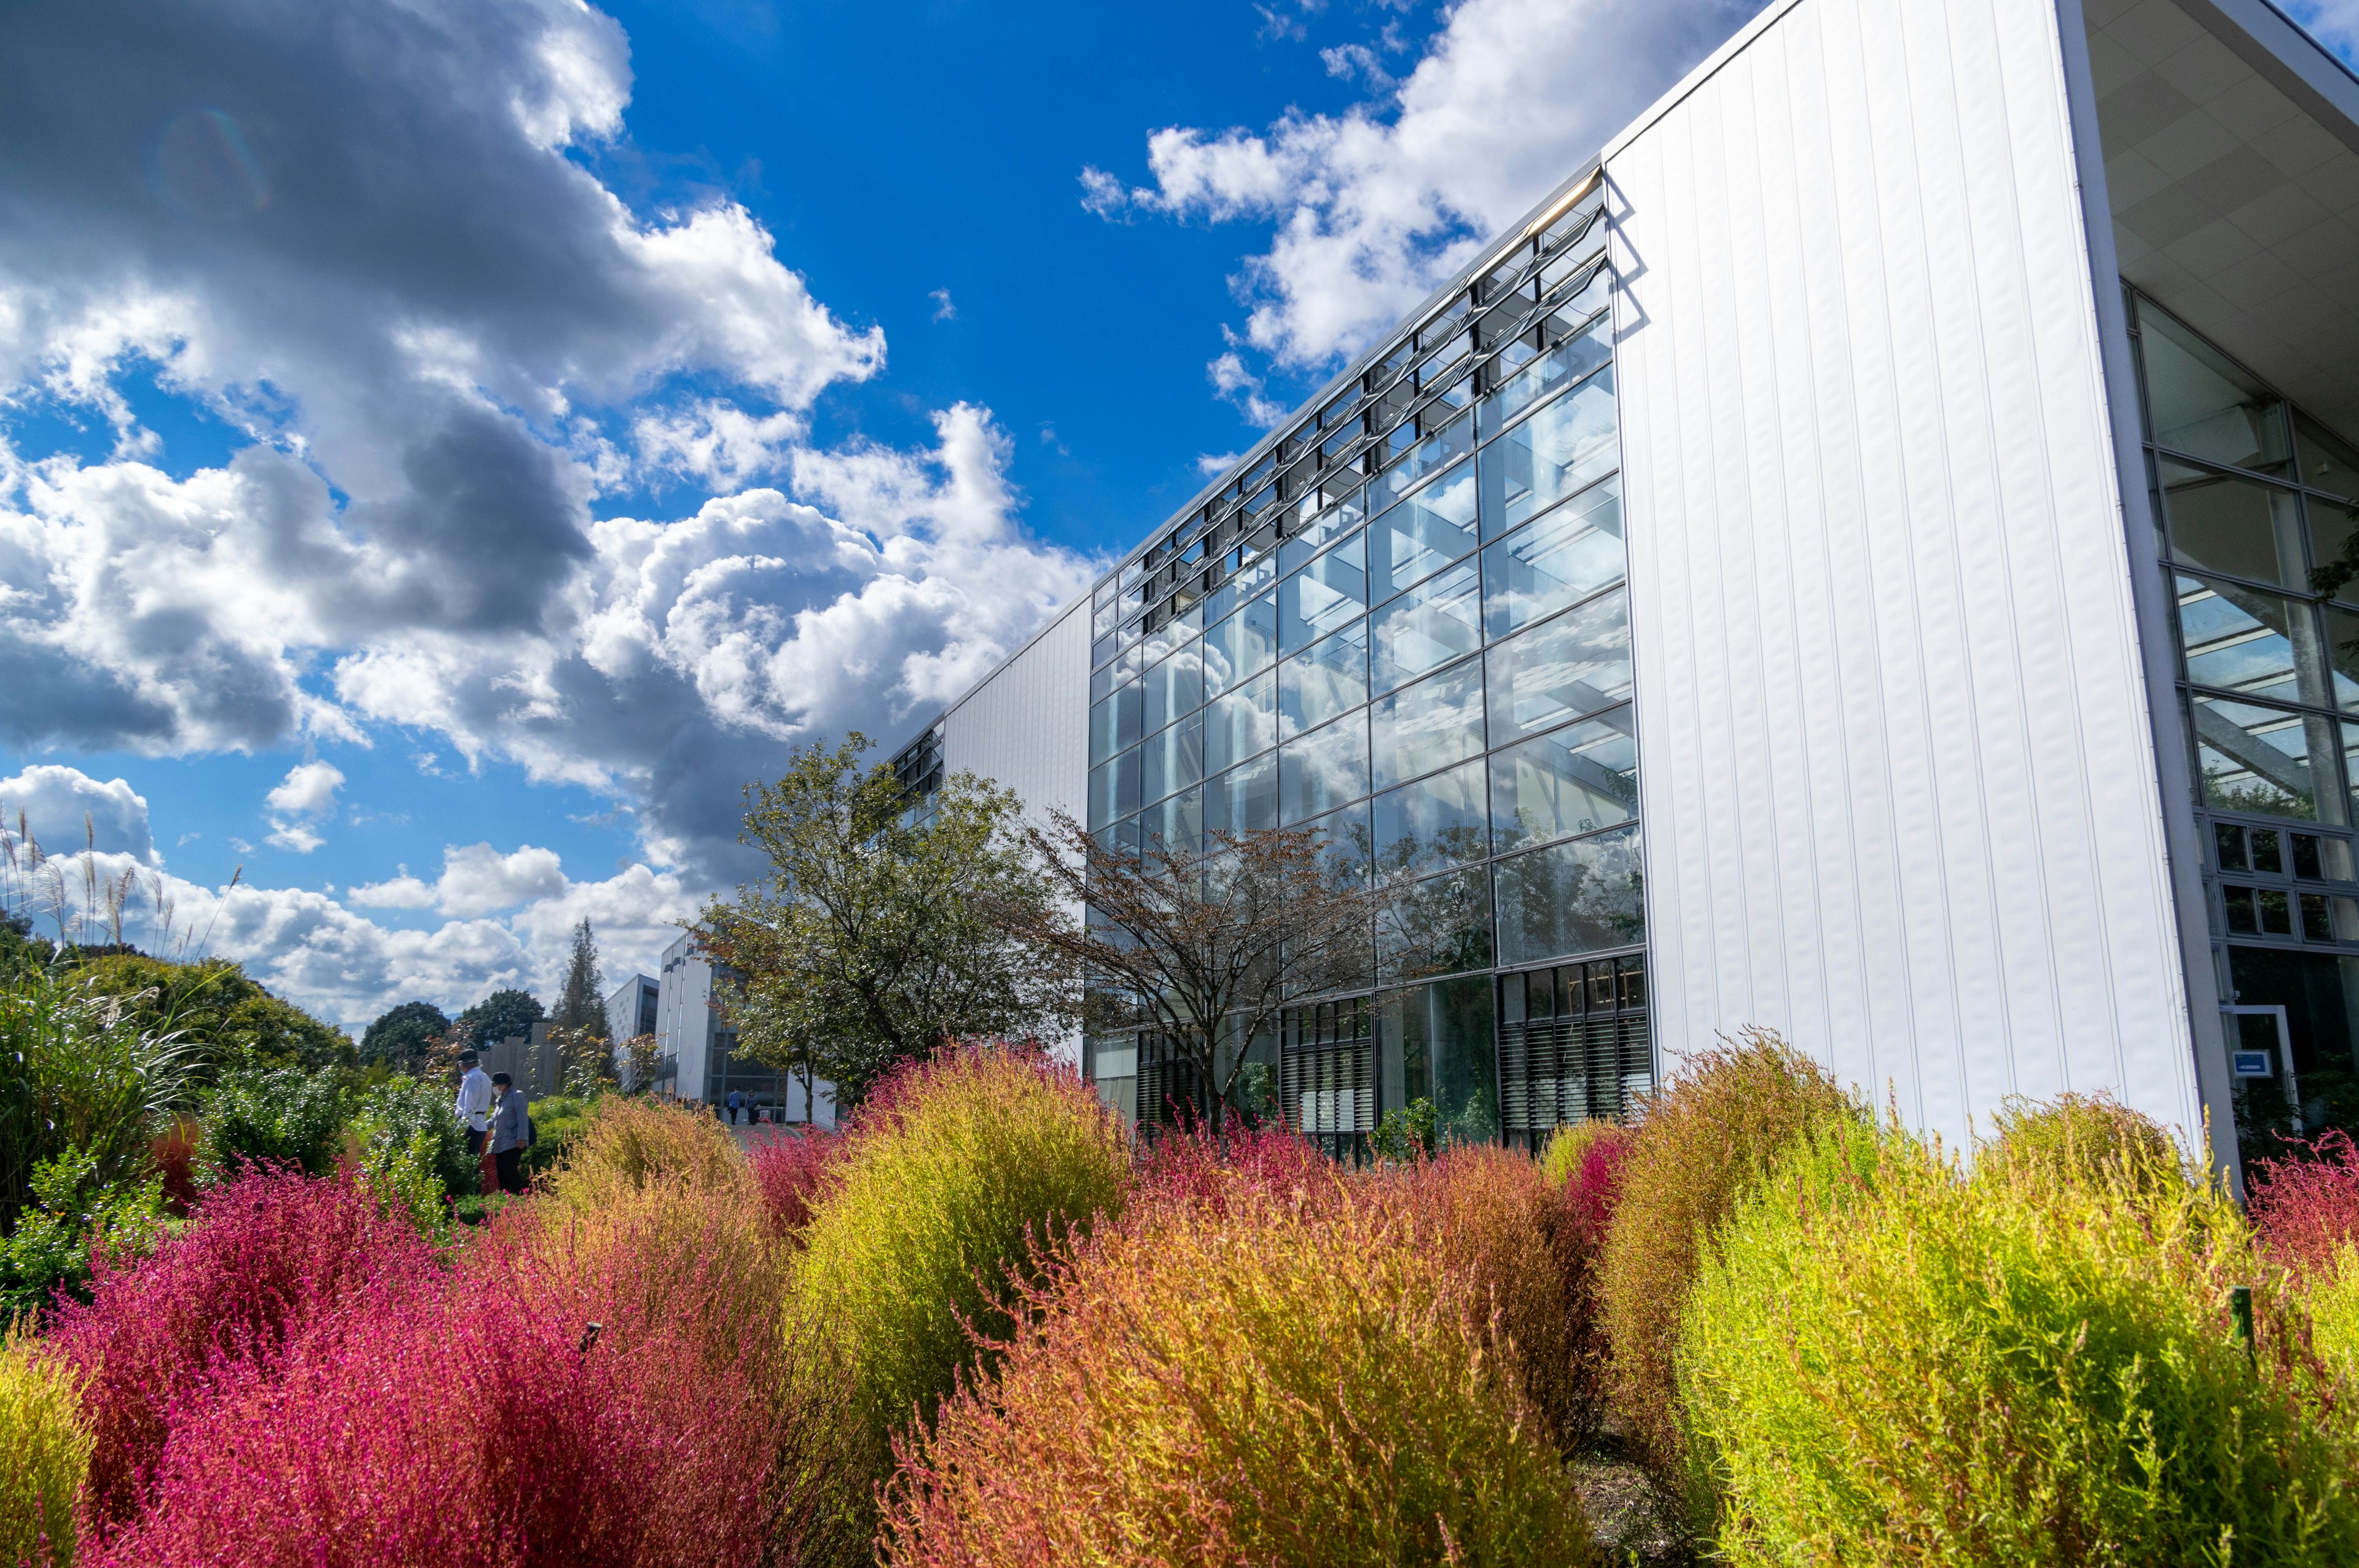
(474, 1108)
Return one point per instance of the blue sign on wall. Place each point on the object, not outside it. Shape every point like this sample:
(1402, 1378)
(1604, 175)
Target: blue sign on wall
(2254, 1065)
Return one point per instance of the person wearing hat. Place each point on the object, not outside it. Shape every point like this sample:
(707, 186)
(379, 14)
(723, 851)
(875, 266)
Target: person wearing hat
(510, 1133)
(474, 1108)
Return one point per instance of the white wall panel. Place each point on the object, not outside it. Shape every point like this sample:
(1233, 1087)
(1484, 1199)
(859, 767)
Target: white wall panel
(1899, 784)
(1026, 725)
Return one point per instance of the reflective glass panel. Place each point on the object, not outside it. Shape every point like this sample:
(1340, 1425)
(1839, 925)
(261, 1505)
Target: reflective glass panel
(1174, 825)
(1431, 725)
(1332, 524)
(1561, 448)
(1576, 897)
(1322, 596)
(1431, 455)
(1436, 622)
(2327, 462)
(1561, 669)
(2342, 656)
(1438, 822)
(1422, 534)
(1442, 926)
(1559, 559)
(1560, 366)
(2220, 523)
(2199, 404)
(1113, 722)
(1323, 770)
(1328, 678)
(1241, 724)
(1344, 844)
(2333, 545)
(1244, 799)
(1571, 780)
(1175, 686)
(2243, 641)
(1114, 789)
(2258, 759)
(1242, 647)
(1172, 759)
(1445, 1034)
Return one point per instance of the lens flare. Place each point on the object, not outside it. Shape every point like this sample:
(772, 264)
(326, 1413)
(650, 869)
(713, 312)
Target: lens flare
(201, 166)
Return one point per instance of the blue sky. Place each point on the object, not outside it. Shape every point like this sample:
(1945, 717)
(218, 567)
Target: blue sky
(445, 449)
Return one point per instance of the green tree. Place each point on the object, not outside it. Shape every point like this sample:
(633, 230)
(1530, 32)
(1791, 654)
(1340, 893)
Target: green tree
(502, 1015)
(873, 940)
(228, 1021)
(400, 1036)
(581, 1003)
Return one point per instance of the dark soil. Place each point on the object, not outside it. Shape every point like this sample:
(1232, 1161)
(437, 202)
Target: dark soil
(1633, 1520)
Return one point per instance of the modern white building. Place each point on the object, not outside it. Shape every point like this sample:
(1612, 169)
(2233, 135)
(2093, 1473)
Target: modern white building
(1866, 558)
(700, 1062)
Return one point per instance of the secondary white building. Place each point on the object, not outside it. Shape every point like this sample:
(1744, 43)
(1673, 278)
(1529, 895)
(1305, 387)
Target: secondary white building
(1866, 559)
(699, 1061)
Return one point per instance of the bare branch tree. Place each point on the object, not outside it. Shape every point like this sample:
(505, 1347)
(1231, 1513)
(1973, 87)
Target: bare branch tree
(1210, 945)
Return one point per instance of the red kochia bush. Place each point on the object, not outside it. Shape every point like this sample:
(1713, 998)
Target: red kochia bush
(790, 1170)
(1193, 1169)
(473, 1422)
(266, 1253)
(2306, 1207)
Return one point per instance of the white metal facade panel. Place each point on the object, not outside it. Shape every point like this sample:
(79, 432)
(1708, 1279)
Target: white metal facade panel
(1901, 793)
(1026, 725)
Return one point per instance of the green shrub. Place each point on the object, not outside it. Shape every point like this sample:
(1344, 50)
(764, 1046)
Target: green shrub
(1883, 1362)
(1569, 1145)
(2080, 1139)
(1255, 1381)
(278, 1115)
(1408, 1132)
(72, 1215)
(413, 1116)
(44, 1451)
(1704, 1139)
(957, 1173)
(624, 1144)
(2331, 1297)
(557, 1121)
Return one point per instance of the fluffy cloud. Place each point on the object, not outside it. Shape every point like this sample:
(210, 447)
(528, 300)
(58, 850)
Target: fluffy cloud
(63, 809)
(379, 251)
(307, 793)
(1375, 206)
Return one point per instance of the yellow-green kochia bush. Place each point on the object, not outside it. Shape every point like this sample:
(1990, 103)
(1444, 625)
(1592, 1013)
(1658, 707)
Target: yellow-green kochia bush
(1884, 1361)
(2081, 1138)
(44, 1450)
(958, 1172)
(1705, 1138)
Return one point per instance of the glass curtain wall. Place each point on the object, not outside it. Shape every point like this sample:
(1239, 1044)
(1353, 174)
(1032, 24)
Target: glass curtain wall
(1405, 624)
(2259, 508)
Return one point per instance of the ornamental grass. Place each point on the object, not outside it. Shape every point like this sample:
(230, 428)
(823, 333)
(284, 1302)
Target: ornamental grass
(264, 1253)
(1277, 1382)
(1705, 1138)
(1881, 1361)
(628, 1142)
(44, 1452)
(2306, 1208)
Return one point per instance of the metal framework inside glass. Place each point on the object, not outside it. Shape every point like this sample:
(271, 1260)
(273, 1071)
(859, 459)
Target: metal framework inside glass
(1402, 621)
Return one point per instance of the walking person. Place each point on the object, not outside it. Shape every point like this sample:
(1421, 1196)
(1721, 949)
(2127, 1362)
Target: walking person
(737, 1103)
(474, 1106)
(510, 1131)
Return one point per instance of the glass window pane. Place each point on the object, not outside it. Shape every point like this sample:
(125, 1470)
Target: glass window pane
(1438, 822)
(1431, 725)
(1175, 686)
(1560, 366)
(1561, 669)
(1113, 722)
(1114, 789)
(2342, 656)
(1445, 1034)
(1572, 781)
(1422, 534)
(2242, 639)
(2327, 462)
(1241, 724)
(1325, 679)
(2333, 545)
(1172, 759)
(1322, 596)
(2220, 523)
(1576, 897)
(1563, 557)
(1320, 770)
(2258, 760)
(1175, 826)
(1442, 926)
(1344, 844)
(2199, 403)
(1426, 628)
(1321, 526)
(1431, 455)
(1244, 799)
(1242, 647)
(1561, 448)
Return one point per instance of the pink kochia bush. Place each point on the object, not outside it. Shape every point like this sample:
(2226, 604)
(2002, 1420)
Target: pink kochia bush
(2305, 1208)
(266, 1254)
(791, 1171)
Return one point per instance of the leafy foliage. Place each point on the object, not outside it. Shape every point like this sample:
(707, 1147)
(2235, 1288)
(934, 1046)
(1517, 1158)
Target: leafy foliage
(411, 1144)
(1259, 1381)
(1408, 1132)
(507, 1014)
(1881, 1362)
(275, 1116)
(557, 1121)
(1706, 1137)
(876, 940)
(229, 1021)
(792, 1170)
(47, 1449)
(401, 1036)
(2081, 1138)
(73, 1217)
(2307, 1206)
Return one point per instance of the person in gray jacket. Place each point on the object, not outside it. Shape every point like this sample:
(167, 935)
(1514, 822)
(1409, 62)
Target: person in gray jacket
(510, 1131)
